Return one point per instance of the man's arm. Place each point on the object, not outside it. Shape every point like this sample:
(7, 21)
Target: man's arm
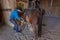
(17, 17)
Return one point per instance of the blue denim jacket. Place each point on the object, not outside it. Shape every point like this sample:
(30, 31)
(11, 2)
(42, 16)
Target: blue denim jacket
(14, 15)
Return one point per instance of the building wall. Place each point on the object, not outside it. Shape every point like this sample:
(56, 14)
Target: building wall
(53, 10)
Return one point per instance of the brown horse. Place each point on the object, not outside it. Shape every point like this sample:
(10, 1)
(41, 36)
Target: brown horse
(32, 16)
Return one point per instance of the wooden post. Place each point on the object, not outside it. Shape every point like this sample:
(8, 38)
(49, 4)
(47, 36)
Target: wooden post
(51, 3)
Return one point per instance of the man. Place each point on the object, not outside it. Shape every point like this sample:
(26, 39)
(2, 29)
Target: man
(14, 16)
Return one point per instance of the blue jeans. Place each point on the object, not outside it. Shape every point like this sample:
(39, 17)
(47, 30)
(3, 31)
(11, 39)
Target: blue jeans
(15, 24)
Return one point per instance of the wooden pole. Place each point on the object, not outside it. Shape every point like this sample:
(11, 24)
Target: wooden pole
(51, 3)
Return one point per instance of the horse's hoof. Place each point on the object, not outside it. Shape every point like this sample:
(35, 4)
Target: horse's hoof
(43, 24)
(34, 39)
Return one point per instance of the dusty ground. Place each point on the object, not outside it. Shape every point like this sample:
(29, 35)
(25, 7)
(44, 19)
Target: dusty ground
(7, 33)
(50, 32)
(52, 29)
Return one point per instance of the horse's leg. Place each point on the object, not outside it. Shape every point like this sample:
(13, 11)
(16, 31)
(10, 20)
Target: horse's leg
(35, 32)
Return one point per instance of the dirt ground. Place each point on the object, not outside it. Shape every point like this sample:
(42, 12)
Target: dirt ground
(50, 32)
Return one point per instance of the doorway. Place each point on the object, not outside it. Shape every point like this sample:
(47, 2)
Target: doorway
(1, 15)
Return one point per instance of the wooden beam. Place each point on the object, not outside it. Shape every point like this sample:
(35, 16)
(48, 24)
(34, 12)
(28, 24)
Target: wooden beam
(5, 9)
(51, 3)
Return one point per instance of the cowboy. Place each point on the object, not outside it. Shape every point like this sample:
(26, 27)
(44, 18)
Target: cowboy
(15, 16)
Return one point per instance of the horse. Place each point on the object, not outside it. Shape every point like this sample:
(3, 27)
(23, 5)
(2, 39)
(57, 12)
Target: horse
(31, 16)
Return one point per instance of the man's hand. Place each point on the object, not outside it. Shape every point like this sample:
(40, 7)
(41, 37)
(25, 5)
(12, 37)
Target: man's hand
(18, 22)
